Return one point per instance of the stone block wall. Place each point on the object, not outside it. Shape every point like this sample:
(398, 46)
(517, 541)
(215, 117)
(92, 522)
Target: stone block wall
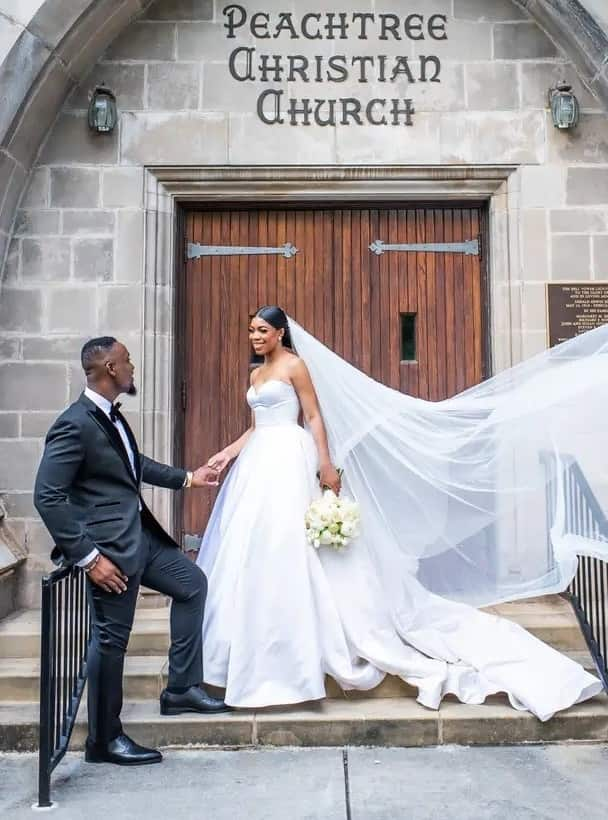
(75, 264)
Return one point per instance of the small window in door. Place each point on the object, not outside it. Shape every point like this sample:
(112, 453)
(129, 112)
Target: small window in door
(408, 337)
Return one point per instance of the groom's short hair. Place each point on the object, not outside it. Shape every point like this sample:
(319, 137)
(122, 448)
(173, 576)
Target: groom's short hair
(95, 348)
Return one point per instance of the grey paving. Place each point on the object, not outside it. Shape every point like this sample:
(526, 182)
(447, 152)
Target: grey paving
(447, 783)
(212, 785)
(463, 783)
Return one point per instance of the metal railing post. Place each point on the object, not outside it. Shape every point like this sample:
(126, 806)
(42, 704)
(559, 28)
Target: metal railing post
(63, 668)
(588, 591)
(47, 706)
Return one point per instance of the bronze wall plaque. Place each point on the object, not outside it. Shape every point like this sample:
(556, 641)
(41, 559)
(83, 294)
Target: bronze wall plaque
(575, 307)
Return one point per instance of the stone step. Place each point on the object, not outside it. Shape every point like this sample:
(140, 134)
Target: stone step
(151, 599)
(145, 676)
(387, 715)
(20, 633)
(371, 722)
(550, 619)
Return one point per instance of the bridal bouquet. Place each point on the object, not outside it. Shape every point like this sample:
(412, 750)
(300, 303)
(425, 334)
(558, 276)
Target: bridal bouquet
(332, 521)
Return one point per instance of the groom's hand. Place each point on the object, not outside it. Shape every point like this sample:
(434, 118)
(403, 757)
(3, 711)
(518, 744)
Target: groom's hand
(108, 576)
(205, 477)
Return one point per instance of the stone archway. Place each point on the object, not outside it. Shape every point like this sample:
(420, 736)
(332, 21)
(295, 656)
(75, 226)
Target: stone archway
(51, 45)
(51, 50)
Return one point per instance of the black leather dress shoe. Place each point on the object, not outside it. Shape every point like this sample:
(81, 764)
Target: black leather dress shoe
(122, 751)
(194, 699)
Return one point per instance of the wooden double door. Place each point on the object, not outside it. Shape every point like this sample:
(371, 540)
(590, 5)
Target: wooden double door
(411, 319)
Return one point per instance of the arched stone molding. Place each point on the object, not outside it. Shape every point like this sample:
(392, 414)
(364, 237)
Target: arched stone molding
(571, 25)
(46, 48)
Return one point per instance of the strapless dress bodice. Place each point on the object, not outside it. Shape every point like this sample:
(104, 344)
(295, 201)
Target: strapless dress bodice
(275, 403)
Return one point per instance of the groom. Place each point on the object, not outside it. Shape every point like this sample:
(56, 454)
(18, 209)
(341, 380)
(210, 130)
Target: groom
(88, 493)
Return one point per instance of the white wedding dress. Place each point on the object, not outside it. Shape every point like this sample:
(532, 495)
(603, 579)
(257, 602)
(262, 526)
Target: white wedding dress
(281, 615)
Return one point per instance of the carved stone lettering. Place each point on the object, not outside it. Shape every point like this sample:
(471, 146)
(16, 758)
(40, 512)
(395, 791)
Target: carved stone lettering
(250, 64)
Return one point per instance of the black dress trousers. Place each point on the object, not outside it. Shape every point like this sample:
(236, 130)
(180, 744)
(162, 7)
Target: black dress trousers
(167, 570)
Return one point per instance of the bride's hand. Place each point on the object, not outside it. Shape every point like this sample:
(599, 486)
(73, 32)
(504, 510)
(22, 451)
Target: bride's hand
(330, 477)
(219, 461)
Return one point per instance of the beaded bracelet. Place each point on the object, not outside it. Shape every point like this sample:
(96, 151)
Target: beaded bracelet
(93, 563)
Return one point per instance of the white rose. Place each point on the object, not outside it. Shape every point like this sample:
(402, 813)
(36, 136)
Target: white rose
(352, 520)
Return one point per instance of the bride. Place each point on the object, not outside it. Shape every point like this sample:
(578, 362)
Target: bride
(449, 496)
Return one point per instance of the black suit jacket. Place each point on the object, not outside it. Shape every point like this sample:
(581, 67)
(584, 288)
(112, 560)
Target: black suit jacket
(86, 492)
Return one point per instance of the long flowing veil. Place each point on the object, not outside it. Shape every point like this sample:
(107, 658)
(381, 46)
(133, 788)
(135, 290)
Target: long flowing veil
(468, 493)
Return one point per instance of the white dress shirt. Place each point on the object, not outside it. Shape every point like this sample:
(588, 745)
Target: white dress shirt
(106, 406)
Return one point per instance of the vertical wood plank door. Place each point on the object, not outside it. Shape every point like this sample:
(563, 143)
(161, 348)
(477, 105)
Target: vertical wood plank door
(412, 320)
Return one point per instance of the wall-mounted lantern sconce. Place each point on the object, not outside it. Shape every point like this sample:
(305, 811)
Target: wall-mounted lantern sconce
(102, 111)
(565, 109)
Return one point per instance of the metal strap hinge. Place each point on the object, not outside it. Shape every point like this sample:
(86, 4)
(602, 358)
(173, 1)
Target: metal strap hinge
(470, 247)
(194, 250)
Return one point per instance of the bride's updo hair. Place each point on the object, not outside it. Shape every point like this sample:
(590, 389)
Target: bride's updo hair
(276, 317)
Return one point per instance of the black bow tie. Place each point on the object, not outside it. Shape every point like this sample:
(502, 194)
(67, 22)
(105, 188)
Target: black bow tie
(114, 411)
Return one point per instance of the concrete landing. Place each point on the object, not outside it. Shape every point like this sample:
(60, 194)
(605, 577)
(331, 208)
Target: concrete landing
(448, 783)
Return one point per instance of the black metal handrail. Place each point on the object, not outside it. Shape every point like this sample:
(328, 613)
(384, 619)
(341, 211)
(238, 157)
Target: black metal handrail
(588, 592)
(65, 630)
